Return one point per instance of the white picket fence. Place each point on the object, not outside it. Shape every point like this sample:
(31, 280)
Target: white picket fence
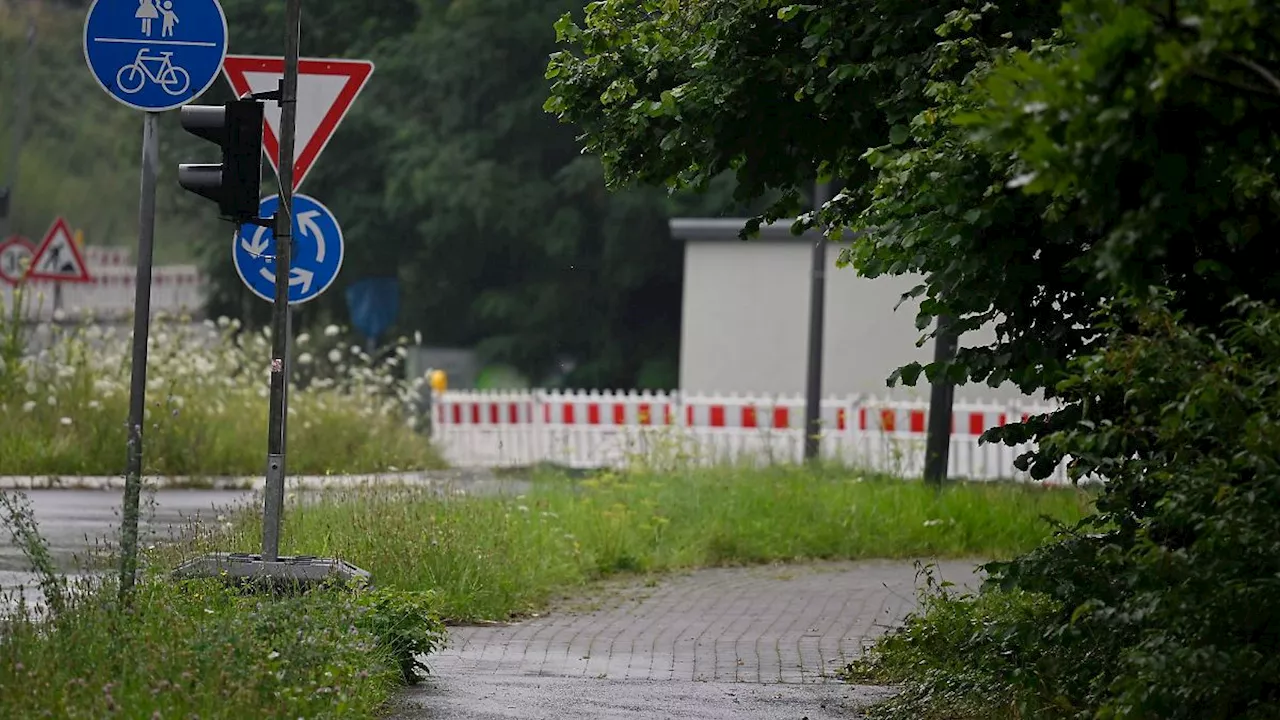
(590, 429)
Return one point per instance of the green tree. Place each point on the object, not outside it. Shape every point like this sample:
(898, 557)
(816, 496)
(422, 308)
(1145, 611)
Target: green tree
(778, 93)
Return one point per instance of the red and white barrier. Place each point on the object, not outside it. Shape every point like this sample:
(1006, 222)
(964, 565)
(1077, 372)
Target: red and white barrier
(603, 429)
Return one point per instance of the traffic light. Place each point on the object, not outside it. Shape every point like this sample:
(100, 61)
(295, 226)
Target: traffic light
(235, 182)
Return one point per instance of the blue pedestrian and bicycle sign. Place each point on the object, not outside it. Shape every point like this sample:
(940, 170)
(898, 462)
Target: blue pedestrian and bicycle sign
(155, 55)
(317, 251)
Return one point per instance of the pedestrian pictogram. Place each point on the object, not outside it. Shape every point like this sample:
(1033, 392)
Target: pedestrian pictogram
(155, 55)
(58, 258)
(326, 90)
(15, 258)
(317, 251)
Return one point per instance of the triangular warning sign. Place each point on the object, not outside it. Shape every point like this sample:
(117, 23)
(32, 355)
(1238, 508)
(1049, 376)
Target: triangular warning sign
(326, 90)
(58, 258)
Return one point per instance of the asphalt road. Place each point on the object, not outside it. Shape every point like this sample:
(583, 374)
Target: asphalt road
(74, 521)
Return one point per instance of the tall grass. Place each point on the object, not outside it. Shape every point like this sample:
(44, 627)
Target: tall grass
(194, 650)
(64, 406)
(496, 557)
(197, 648)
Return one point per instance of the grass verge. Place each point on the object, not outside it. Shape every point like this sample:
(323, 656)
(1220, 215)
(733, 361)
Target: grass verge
(492, 558)
(197, 648)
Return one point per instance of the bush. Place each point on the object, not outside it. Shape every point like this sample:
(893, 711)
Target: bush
(1166, 602)
(207, 385)
(407, 624)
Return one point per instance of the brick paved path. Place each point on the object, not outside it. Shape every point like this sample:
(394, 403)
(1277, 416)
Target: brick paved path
(779, 625)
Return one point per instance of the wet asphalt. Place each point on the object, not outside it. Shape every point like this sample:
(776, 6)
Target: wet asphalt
(76, 522)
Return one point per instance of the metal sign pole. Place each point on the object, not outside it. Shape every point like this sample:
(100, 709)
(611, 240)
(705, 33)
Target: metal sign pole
(141, 328)
(817, 297)
(273, 500)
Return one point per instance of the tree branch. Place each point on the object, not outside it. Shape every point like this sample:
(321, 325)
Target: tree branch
(1266, 74)
(1234, 84)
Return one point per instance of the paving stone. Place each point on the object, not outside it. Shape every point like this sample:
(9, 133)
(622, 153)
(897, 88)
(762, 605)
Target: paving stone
(776, 625)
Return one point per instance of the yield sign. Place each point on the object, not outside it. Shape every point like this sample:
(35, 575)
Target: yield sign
(326, 89)
(58, 258)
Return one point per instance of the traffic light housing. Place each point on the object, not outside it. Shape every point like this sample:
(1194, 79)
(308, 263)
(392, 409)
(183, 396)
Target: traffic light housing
(235, 183)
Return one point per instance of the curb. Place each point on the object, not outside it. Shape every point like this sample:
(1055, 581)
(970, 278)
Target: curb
(243, 482)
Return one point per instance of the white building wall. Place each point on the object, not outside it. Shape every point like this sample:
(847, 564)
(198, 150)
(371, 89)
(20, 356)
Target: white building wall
(745, 324)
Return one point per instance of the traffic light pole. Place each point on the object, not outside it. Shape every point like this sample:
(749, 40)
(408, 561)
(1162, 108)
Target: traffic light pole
(138, 381)
(277, 442)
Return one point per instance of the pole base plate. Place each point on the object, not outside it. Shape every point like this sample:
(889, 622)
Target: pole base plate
(300, 572)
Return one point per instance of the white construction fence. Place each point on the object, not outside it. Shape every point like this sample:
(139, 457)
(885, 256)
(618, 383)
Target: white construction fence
(175, 290)
(589, 429)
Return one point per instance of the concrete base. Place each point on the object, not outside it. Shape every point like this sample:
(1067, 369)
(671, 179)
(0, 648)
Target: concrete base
(285, 574)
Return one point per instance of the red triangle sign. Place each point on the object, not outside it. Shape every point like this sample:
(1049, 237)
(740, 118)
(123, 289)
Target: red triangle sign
(58, 258)
(326, 90)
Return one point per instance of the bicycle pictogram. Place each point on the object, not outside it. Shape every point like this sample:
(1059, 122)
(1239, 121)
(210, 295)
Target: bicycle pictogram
(173, 79)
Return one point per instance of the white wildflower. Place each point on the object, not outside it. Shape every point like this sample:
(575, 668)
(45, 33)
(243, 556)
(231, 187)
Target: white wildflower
(302, 339)
(94, 404)
(177, 400)
(304, 359)
(28, 406)
(52, 401)
(59, 315)
(331, 331)
(417, 337)
(65, 421)
(931, 523)
(223, 321)
(335, 356)
(31, 387)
